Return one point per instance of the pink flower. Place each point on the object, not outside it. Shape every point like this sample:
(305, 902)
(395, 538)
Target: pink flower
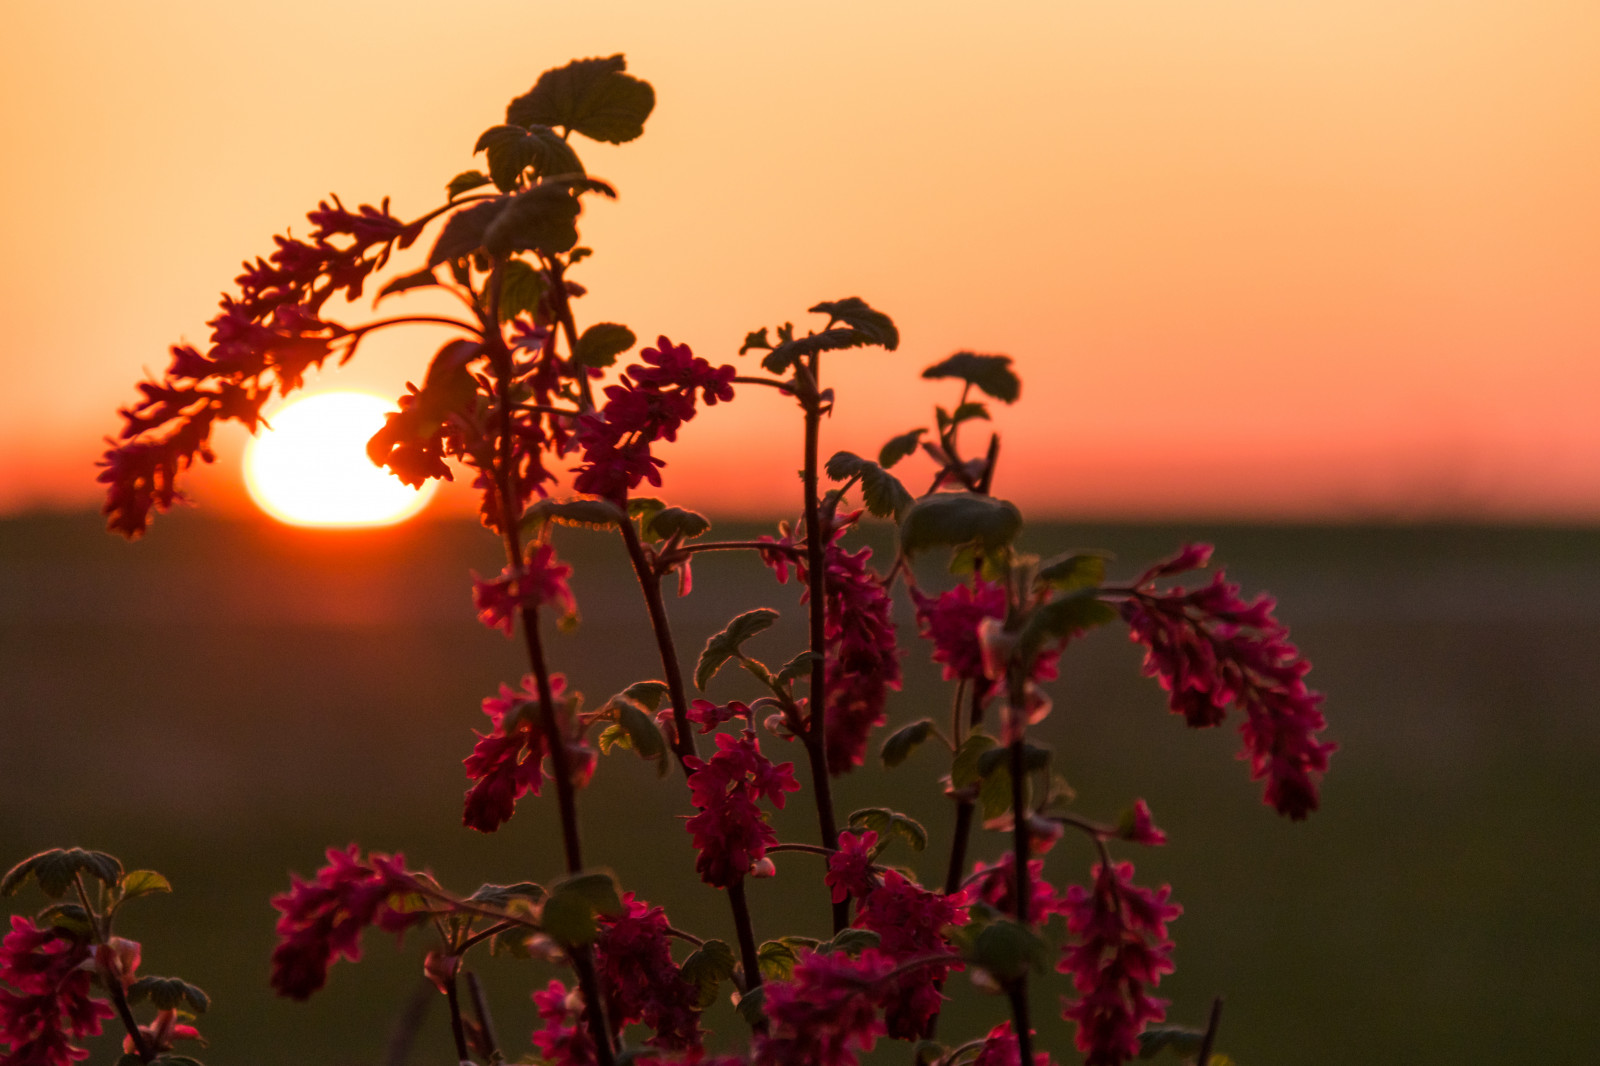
(1212, 650)
(564, 1040)
(910, 922)
(162, 1033)
(1117, 947)
(826, 1013)
(952, 621)
(731, 833)
(507, 763)
(642, 982)
(996, 885)
(1000, 1048)
(48, 1009)
(542, 580)
(850, 868)
(323, 919)
(1140, 827)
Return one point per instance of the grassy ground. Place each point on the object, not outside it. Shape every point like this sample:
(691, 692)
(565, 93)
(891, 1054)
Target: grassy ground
(223, 700)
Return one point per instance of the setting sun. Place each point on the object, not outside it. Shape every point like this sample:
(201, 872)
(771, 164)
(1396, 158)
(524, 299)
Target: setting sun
(311, 468)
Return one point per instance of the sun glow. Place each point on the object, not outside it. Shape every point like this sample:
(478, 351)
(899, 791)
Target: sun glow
(311, 468)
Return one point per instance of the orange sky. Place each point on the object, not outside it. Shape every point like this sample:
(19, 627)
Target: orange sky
(1252, 258)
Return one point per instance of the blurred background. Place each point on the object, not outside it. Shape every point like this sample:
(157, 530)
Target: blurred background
(1315, 282)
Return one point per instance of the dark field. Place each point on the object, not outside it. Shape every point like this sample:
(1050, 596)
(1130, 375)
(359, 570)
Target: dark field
(222, 701)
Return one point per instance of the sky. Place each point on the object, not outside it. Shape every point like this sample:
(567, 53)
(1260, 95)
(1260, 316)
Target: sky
(1253, 258)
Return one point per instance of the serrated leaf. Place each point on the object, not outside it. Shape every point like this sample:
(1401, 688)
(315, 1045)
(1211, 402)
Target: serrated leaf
(1062, 619)
(852, 941)
(68, 916)
(725, 645)
(577, 513)
(169, 993)
(463, 231)
(967, 412)
(752, 1007)
(1008, 951)
(1076, 571)
(965, 768)
(904, 741)
(569, 914)
(57, 870)
(799, 666)
(507, 895)
(990, 373)
(602, 342)
(994, 791)
(649, 693)
(543, 219)
(417, 279)
(756, 340)
(708, 966)
(646, 739)
(611, 737)
(776, 960)
(1034, 759)
(594, 97)
(788, 352)
(512, 149)
(842, 466)
(1175, 1038)
(758, 670)
(676, 522)
(881, 490)
(956, 518)
(899, 447)
(854, 311)
(465, 181)
(521, 288)
(889, 824)
(142, 883)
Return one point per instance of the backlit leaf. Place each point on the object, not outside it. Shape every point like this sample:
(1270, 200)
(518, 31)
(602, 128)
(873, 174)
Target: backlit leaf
(904, 741)
(57, 871)
(899, 447)
(520, 289)
(708, 966)
(415, 280)
(1070, 572)
(990, 373)
(142, 883)
(543, 219)
(466, 181)
(676, 522)
(952, 519)
(725, 645)
(602, 342)
(591, 96)
(463, 231)
(853, 311)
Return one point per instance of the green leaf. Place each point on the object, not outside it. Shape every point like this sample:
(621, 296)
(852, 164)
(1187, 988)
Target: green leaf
(967, 412)
(964, 769)
(1034, 759)
(68, 916)
(990, 373)
(899, 447)
(725, 645)
(520, 289)
(577, 513)
(889, 824)
(799, 666)
(852, 941)
(169, 993)
(463, 231)
(512, 149)
(1069, 572)
(994, 790)
(676, 522)
(709, 965)
(591, 96)
(648, 693)
(1175, 1038)
(843, 465)
(569, 913)
(466, 181)
(142, 883)
(957, 518)
(927, 1052)
(776, 960)
(57, 870)
(611, 737)
(752, 1007)
(602, 342)
(881, 490)
(1062, 619)
(415, 280)
(788, 352)
(853, 311)
(1009, 951)
(641, 729)
(543, 219)
(756, 341)
(508, 895)
(904, 741)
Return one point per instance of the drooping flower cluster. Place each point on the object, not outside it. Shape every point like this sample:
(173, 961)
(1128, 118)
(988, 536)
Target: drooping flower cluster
(539, 581)
(270, 335)
(862, 659)
(731, 832)
(508, 762)
(323, 919)
(826, 1013)
(911, 921)
(996, 885)
(565, 1039)
(45, 1004)
(1000, 1048)
(850, 871)
(642, 982)
(1117, 949)
(1212, 649)
(650, 403)
(952, 621)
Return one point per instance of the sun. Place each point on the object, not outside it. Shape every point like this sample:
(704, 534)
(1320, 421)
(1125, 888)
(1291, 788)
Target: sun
(311, 468)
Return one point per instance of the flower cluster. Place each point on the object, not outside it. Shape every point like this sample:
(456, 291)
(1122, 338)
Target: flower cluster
(649, 404)
(910, 923)
(1210, 648)
(539, 581)
(564, 1040)
(508, 762)
(47, 1009)
(1117, 948)
(731, 833)
(1000, 1048)
(826, 1013)
(323, 919)
(850, 871)
(862, 659)
(642, 982)
(996, 885)
(952, 621)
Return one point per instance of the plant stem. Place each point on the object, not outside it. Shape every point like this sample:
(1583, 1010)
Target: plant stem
(1017, 992)
(1209, 1039)
(958, 846)
(480, 1007)
(683, 745)
(569, 327)
(746, 936)
(113, 982)
(458, 1031)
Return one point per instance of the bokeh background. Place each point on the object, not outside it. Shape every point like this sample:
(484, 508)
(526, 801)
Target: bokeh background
(1313, 281)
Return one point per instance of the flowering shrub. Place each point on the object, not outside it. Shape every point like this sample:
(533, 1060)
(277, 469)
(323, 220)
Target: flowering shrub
(517, 396)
